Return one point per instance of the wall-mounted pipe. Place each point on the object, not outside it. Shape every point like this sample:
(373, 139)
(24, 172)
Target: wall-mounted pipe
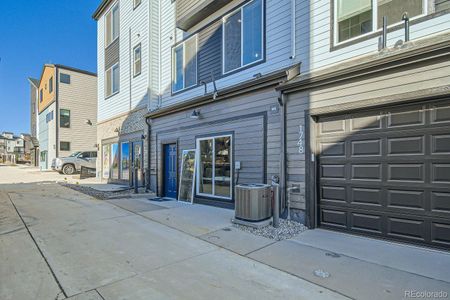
(382, 44)
(149, 154)
(282, 103)
(405, 19)
(293, 29)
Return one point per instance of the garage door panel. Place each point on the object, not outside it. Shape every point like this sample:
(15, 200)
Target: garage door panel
(332, 149)
(406, 228)
(359, 123)
(440, 113)
(401, 118)
(334, 218)
(406, 199)
(366, 196)
(440, 202)
(366, 223)
(406, 145)
(440, 234)
(366, 172)
(406, 172)
(387, 172)
(440, 144)
(366, 147)
(333, 193)
(440, 173)
(333, 171)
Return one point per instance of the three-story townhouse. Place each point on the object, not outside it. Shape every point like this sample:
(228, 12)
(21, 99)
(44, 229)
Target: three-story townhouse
(213, 95)
(67, 113)
(123, 81)
(368, 119)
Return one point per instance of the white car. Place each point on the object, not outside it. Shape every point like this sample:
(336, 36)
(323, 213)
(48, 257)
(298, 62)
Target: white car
(73, 163)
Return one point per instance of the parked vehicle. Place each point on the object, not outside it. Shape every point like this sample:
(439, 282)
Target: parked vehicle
(73, 163)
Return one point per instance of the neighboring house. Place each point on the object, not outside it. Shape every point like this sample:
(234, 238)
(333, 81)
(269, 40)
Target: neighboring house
(368, 139)
(34, 120)
(14, 148)
(123, 81)
(67, 112)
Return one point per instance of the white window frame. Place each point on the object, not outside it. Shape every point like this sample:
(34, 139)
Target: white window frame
(182, 44)
(110, 11)
(374, 21)
(112, 81)
(134, 60)
(213, 181)
(224, 19)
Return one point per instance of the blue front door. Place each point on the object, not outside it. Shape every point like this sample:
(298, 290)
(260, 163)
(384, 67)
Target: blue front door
(170, 170)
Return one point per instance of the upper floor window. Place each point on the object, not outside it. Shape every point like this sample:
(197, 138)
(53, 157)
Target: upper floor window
(64, 118)
(137, 60)
(243, 36)
(112, 80)
(41, 95)
(49, 116)
(184, 59)
(112, 25)
(50, 85)
(136, 3)
(64, 78)
(354, 18)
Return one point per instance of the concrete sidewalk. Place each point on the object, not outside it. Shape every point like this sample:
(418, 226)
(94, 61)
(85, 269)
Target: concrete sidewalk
(67, 244)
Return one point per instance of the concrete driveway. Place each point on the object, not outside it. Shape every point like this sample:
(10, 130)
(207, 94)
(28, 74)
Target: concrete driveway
(56, 243)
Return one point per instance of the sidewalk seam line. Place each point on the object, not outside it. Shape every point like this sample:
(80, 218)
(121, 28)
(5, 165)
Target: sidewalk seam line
(38, 248)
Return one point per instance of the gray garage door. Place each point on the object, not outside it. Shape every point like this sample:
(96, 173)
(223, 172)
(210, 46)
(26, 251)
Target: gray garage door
(387, 173)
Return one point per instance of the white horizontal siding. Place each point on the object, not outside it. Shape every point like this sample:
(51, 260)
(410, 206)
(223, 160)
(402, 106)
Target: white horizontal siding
(134, 29)
(314, 32)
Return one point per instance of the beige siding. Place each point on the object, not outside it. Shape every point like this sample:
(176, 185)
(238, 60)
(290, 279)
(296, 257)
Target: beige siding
(80, 97)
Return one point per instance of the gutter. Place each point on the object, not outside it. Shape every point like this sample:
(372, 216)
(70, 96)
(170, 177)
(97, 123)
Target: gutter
(271, 79)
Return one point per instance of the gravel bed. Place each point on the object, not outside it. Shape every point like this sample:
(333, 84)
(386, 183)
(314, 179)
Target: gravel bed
(98, 194)
(286, 230)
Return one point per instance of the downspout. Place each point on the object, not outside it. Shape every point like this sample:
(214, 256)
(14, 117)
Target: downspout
(293, 27)
(149, 153)
(56, 113)
(282, 103)
(130, 66)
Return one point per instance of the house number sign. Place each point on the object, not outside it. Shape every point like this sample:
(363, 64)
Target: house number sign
(300, 143)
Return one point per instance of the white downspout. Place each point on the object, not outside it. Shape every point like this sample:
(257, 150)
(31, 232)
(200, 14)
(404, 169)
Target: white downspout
(293, 29)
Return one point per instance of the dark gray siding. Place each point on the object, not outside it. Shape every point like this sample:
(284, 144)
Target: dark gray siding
(112, 54)
(255, 129)
(210, 52)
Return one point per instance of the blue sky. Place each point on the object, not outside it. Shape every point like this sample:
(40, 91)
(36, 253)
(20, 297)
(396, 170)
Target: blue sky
(33, 33)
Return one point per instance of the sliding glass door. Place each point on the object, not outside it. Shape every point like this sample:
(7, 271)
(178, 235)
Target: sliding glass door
(215, 166)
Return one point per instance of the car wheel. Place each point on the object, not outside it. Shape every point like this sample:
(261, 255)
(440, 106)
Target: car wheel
(68, 169)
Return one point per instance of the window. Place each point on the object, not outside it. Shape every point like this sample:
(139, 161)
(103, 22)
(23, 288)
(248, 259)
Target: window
(41, 95)
(243, 36)
(354, 18)
(137, 60)
(125, 161)
(49, 116)
(64, 146)
(50, 85)
(64, 78)
(115, 161)
(112, 25)
(214, 166)
(64, 118)
(112, 80)
(106, 161)
(43, 155)
(136, 3)
(184, 60)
